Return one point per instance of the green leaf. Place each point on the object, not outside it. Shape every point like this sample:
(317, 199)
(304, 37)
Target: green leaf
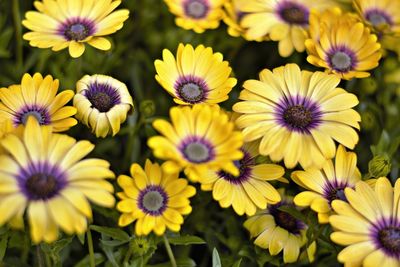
(237, 263)
(81, 238)
(383, 144)
(98, 258)
(3, 246)
(216, 261)
(113, 243)
(186, 240)
(114, 233)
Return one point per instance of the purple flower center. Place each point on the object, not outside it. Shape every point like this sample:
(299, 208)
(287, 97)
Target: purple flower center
(341, 59)
(378, 18)
(153, 200)
(191, 89)
(196, 9)
(293, 13)
(284, 219)
(197, 150)
(298, 114)
(386, 235)
(335, 190)
(76, 29)
(244, 165)
(40, 113)
(102, 96)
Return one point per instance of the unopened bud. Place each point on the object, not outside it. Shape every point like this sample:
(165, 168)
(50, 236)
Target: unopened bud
(147, 108)
(379, 166)
(369, 85)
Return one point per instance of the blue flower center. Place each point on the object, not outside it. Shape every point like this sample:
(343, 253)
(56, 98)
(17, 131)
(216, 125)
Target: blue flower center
(77, 32)
(389, 238)
(42, 186)
(152, 200)
(196, 9)
(293, 13)
(197, 152)
(102, 96)
(341, 61)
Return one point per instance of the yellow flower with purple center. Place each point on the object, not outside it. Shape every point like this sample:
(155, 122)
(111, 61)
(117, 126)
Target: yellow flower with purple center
(102, 103)
(250, 189)
(37, 96)
(327, 184)
(154, 199)
(368, 224)
(60, 24)
(196, 15)
(285, 21)
(277, 231)
(195, 76)
(297, 115)
(342, 44)
(200, 138)
(45, 174)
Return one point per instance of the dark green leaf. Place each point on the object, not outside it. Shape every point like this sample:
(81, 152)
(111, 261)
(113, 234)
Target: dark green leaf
(237, 263)
(98, 258)
(114, 233)
(186, 240)
(3, 246)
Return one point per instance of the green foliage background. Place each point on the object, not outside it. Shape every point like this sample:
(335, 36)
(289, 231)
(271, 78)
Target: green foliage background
(147, 32)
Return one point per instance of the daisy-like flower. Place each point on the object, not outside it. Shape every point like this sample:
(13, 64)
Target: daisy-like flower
(44, 174)
(154, 199)
(196, 15)
(277, 230)
(342, 44)
(250, 189)
(200, 138)
(285, 21)
(37, 96)
(368, 224)
(195, 76)
(59, 24)
(102, 103)
(327, 184)
(297, 115)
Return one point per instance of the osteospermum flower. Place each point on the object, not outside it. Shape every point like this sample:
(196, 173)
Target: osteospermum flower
(44, 174)
(297, 115)
(102, 103)
(278, 231)
(200, 138)
(60, 24)
(196, 15)
(250, 189)
(37, 96)
(195, 76)
(342, 44)
(328, 183)
(285, 21)
(368, 224)
(154, 199)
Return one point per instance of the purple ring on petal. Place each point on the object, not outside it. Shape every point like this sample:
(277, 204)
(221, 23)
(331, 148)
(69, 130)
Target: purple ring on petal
(196, 9)
(39, 112)
(197, 149)
(293, 13)
(245, 167)
(378, 17)
(102, 96)
(41, 180)
(77, 29)
(284, 219)
(341, 59)
(153, 200)
(298, 114)
(191, 89)
(385, 234)
(335, 190)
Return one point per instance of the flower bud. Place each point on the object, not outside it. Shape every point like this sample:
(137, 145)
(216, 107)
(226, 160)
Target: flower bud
(379, 166)
(369, 85)
(147, 108)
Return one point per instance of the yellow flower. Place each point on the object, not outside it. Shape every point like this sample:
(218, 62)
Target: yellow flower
(200, 138)
(342, 44)
(277, 230)
(368, 224)
(37, 96)
(102, 103)
(297, 115)
(154, 199)
(197, 15)
(285, 21)
(196, 76)
(44, 174)
(60, 24)
(250, 189)
(233, 17)
(327, 184)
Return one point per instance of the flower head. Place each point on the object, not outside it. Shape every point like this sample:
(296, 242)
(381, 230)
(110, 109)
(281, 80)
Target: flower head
(102, 103)
(196, 15)
(44, 174)
(277, 230)
(59, 24)
(250, 189)
(37, 96)
(154, 199)
(328, 183)
(342, 44)
(368, 224)
(200, 138)
(297, 115)
(195, 76)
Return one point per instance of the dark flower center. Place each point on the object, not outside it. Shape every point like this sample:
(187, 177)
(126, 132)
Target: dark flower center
(389, 238)
(244, 165)
(378, 18)
(191, 89)
(77, 32)
(197, 152)
(42, 186)
(102, 96)
(285, 220)
(40, 114)
(341, 61)
(153, 200)
(293, 13)
(196, 9)
(336, 193)
(298, 116)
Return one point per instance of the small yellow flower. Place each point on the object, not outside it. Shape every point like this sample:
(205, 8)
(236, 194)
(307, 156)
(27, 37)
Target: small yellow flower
(59, 24)
(154, 199)
(37, 96)
(102, 103)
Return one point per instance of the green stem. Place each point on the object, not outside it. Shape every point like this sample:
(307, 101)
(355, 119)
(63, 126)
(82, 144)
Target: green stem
(18, 31)
(90, 247)
(127, 255)
(169, 251)
(39, 256)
